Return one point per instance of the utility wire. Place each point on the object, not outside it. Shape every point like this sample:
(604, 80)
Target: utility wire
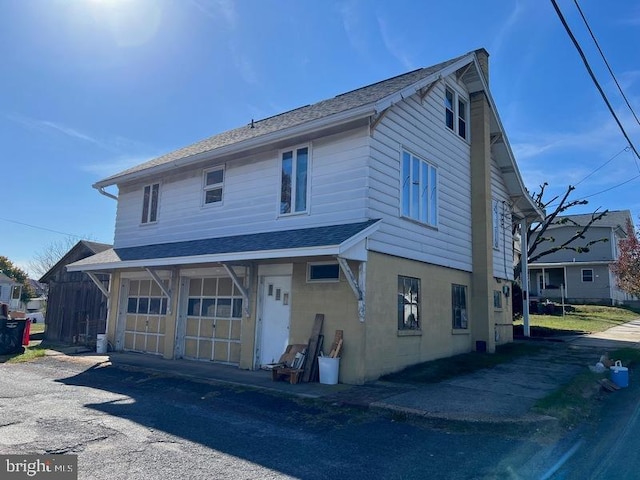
(625, 149)
(611, 188)
(41, 228)
(595, 80)
(606, 62)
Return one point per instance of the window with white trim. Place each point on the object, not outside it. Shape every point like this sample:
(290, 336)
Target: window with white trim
(419, 189)
(294, 181)
(213, 185)
(456, 112)
(150, 203)
(587, 274)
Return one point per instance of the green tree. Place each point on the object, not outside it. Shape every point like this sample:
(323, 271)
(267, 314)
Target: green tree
(10, 270)
(627, 267)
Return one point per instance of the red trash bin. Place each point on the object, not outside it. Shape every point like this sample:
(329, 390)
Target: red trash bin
(27, 333)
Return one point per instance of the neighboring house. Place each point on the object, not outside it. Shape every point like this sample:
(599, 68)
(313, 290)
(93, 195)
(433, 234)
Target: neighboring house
(7, 293)
(388, 209)
(77, 302)
(583, 277)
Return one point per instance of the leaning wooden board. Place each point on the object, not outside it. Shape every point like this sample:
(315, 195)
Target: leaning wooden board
(313, 349)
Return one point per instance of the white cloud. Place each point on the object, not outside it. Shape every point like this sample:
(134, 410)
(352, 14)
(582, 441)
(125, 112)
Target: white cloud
(393, 44)
(115, 165)
(502, 34)
(353, 27)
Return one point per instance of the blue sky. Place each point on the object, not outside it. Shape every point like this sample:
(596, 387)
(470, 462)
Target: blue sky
(91, 87)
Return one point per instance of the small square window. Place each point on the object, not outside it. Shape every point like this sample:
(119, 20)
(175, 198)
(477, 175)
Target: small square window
(587, 275)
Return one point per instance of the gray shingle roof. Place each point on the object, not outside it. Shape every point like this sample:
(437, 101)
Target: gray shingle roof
(341, 103)
(266, 241)
(615, 218)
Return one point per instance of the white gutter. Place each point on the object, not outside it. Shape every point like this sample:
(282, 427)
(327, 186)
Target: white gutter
(278, 135)
(105, 193)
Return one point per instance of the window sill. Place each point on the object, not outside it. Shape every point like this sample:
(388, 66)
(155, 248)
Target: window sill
(294, 214)
(409, 333)
(418, 222)
(460, 331)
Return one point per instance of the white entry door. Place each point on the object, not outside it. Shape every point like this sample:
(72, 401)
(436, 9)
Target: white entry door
(275, 317)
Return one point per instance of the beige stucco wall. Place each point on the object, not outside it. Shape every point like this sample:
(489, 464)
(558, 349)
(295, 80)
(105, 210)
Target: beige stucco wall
(338, 303)
(112, 314)
(503, 318)
(388, 349)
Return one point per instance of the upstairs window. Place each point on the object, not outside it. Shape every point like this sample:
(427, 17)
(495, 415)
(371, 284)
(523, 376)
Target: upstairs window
(213, 185)
(150, 203)
(587, 275)
(456, 112)
(419, 190)
(294, 180)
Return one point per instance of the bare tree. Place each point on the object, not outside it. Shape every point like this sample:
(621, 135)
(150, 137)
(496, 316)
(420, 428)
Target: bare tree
(44, 259)
(536, 233)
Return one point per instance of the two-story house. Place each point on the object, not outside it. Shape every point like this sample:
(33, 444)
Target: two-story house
(583, 277)
(387, 208)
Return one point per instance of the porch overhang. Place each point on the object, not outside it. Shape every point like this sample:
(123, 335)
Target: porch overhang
(333, 240)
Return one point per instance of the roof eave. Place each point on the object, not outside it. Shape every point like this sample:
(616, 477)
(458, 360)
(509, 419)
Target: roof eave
(251, 143)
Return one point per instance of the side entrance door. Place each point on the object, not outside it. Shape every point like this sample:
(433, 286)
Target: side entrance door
(274, 318)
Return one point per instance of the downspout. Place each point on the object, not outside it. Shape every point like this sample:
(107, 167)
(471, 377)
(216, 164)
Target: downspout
(102, 191)
(524, 275)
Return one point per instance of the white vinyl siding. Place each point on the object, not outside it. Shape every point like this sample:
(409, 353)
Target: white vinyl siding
(502, 226)
(337, 194)
(417, 126)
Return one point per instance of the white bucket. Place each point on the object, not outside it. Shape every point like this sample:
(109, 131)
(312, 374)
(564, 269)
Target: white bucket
(101, 343)
(329, 368)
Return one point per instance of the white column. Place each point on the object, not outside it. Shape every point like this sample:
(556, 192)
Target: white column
(524, 275)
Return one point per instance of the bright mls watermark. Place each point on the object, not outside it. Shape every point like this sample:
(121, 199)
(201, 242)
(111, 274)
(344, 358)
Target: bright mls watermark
(37, 467)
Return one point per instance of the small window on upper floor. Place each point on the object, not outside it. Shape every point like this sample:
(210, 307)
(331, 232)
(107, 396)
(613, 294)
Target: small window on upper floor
(456, 112)
(150, 203)
(419, 190)
(294, 181)
(587, 275)
(213, 185)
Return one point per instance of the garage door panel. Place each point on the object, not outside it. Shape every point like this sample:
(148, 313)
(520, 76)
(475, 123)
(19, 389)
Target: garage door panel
(221, 351)
(235, 330)
(206, 327)
(223, 329)
(190, 347)
(193, 327)
(204, 352)
(234, 352)
(128, 341)
(152, 343)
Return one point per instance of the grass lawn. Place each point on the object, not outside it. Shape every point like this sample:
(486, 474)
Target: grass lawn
(585, 319)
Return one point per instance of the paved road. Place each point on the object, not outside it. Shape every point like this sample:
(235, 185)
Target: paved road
(126, 424)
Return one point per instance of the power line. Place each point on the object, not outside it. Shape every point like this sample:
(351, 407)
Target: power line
(41, 228)
(625, 149)
(611, 188)
(595, 80)
(605, 61)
